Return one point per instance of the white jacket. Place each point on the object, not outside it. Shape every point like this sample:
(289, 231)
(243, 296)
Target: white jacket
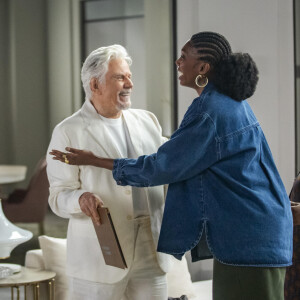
(85, 130)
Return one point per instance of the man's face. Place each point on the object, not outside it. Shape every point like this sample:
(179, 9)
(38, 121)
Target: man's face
(116, 90)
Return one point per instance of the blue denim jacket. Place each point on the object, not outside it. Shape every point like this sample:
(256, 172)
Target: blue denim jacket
(222, 181)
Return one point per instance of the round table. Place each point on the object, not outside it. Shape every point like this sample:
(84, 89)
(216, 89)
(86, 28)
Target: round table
(30, 277)
(12, 173)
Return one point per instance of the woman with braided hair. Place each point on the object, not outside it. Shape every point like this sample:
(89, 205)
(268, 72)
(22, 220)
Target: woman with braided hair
(225, 198)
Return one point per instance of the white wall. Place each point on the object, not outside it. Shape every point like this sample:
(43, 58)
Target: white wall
(24, 112)
(5, 112)
(158, 61)
(265, 30)
(60, 60)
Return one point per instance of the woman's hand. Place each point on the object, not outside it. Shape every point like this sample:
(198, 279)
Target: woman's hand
(74, 156)
(82, 157)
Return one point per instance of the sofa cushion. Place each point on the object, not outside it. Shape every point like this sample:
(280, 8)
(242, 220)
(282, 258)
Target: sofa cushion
(54, 253)
(34, 259)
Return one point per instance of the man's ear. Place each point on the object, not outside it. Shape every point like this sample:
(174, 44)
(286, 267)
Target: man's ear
(204, 68)
(95, 85)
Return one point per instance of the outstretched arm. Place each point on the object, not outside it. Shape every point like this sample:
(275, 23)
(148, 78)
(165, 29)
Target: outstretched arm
(82, 157)
(191, 150)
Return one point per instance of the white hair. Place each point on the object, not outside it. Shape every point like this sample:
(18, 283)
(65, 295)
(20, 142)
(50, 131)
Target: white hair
(96, 65)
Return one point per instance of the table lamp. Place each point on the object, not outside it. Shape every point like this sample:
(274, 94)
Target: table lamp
(11, 235)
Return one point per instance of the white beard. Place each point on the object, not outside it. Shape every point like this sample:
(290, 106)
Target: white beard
(121, 105)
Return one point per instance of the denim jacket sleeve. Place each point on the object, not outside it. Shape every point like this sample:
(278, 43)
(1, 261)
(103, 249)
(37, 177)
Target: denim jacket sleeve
(191, 150)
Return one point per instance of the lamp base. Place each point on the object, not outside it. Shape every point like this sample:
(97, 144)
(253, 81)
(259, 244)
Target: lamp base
(10, 235)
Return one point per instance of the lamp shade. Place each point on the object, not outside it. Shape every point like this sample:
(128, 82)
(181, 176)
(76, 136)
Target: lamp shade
(10, 235)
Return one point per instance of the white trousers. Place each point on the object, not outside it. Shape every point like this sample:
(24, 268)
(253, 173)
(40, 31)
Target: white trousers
(144, 281)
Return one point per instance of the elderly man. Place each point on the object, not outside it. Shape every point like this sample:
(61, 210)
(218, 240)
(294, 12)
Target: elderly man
(106, 126)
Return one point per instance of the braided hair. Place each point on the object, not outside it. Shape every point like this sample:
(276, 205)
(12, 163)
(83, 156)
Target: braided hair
(234, 74)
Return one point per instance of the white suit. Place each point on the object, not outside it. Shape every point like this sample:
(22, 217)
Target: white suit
(85, 130)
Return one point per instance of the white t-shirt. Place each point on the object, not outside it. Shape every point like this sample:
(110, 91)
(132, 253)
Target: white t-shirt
(119, 133)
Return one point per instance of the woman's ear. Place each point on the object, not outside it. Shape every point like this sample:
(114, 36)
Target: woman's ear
(95, 85)
(204, 68)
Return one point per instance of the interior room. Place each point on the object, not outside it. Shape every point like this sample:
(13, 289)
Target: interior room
(43, 44)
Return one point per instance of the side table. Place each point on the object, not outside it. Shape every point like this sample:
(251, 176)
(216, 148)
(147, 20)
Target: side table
(30, 277)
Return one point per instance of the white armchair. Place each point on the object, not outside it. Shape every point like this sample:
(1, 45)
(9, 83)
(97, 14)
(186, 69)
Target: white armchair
(52, 256)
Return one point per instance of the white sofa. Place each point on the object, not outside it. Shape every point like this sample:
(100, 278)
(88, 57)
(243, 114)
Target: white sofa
(52, 256)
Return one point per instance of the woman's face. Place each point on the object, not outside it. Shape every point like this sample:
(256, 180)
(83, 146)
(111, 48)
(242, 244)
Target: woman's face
(188, 66)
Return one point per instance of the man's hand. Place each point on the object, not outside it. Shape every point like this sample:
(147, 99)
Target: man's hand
(88, 203)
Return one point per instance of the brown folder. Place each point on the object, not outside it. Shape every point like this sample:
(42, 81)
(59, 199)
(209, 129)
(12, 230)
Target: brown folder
(108, 240)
